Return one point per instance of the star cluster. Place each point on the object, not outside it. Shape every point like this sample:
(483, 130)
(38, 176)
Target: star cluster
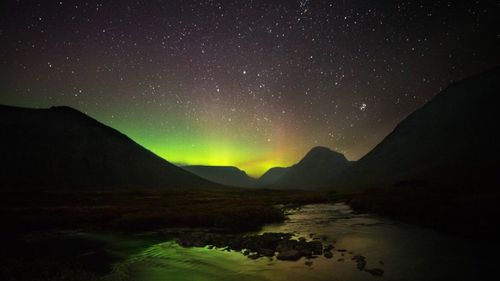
(253, 84)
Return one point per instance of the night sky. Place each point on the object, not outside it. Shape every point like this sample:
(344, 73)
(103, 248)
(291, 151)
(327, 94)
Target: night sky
(254, 84)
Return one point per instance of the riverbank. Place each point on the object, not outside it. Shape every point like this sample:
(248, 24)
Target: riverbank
(28, 216)
(451, 210)
(234, 211)
(299, 248)
(364, 245)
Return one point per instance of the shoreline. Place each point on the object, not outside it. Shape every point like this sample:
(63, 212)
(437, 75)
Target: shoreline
(130, 213)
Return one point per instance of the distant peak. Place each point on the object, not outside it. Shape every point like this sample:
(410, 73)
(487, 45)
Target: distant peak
(277, 168)
(321, 151)
(214, 167)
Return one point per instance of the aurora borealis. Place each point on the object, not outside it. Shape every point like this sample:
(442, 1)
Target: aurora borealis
(253, 84)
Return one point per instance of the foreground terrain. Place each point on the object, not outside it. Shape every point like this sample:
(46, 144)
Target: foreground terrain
(29, 217)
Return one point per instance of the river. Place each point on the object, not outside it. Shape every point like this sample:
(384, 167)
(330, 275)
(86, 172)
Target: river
(403, 252)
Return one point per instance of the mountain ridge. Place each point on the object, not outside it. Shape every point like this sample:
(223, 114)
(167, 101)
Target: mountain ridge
(436, 142)
(61, 147)
(313, 171)
(227, 175)
(272, 175)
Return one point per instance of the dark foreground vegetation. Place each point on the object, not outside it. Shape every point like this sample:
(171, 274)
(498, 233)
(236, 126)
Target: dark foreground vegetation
(142, 211)
(34, 251)
(452, 209)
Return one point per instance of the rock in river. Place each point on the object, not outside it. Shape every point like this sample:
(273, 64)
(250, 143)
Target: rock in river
(317, 247)
(375, 271)
(360, 261)
(289, 255)
(266, 252)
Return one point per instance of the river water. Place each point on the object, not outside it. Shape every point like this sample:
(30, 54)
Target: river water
(403, 252)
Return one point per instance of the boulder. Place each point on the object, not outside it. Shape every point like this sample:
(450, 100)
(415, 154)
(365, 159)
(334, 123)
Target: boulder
(316, 247)
(360, 262)
(329, 247)
(289, 255)
(375, 271)
(266, 252)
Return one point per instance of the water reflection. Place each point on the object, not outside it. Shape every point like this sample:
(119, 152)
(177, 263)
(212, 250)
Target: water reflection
(403, 252)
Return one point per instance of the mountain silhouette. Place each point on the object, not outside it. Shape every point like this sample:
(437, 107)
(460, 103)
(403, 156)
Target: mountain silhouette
(62, 148)
(272, 175)
(312, 172)
(450, 141)
(226, 175)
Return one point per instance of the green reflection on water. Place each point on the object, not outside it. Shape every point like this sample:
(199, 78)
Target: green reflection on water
(168, 261)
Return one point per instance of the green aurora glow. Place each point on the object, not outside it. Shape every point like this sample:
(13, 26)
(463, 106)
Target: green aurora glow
(197, 144)
(252, 84)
